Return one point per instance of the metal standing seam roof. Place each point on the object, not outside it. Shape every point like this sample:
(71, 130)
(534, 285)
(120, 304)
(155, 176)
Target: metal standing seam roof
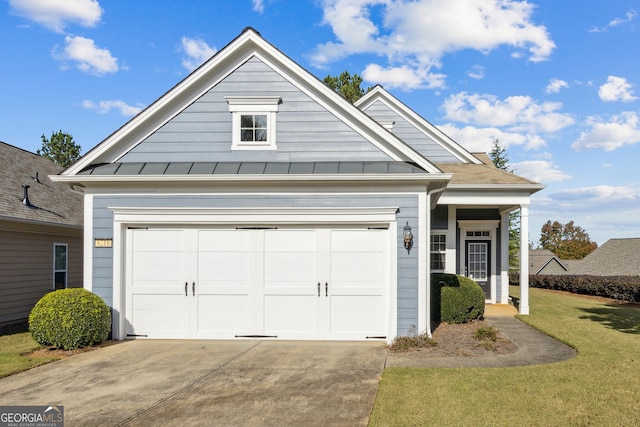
(254, 168)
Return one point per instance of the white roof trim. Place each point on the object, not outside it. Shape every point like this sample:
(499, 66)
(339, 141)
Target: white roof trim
(247, 44)
(379, 94)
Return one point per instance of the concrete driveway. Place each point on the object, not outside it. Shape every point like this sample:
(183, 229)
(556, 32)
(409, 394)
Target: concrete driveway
(214, 383)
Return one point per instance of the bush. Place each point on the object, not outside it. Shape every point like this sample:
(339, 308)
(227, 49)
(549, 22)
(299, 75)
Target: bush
(624, 288)
(411, 342)
(70, 318)
(456, 299)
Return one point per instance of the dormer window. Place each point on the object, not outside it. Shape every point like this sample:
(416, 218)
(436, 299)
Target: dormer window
(254, 122)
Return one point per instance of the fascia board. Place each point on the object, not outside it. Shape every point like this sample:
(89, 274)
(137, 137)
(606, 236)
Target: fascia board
(422, 124)
(530, 188)
(109, 179)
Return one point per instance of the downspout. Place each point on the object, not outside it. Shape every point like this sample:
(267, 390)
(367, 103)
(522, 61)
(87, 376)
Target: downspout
(429, 207)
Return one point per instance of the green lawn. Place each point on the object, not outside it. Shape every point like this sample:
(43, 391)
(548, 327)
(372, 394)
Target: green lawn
(600, 387)
(12, 350)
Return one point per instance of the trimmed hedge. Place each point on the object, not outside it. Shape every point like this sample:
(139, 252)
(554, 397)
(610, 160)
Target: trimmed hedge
(456, 299)
(624, 288)
(70, 318)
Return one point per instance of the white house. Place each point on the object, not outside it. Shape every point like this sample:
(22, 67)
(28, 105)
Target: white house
(251, 200)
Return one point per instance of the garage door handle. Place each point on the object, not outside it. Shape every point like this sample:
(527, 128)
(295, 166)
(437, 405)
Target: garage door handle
(326, 289)
(186, 285)
(193, 289)
(318, 288)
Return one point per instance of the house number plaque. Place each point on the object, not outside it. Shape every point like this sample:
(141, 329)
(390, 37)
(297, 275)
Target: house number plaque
(103, 243)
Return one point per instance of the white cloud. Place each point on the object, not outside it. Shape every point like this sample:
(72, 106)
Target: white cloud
(515, 113)
(88, 57)
(622, 129)
(57, 14)
(629, 16)
(197, 51)
(480, 140)
(104, 107)
(476, 72)
(420, 33)
(258, 6)
(543, 171)
(555, 85)
(404, 77)
(598, 196)
(616, 89)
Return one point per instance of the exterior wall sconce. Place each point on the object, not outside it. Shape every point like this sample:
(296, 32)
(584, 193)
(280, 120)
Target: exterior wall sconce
(408, 237)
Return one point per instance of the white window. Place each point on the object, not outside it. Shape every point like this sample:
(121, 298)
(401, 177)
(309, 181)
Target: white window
(60, 251)
(438, 252)
(253, 121)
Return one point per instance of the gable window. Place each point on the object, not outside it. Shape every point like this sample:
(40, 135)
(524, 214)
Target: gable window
(438, 251)
(253, 122)
(60, 251)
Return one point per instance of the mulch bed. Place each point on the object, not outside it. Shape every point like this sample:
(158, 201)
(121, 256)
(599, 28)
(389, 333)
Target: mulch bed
(457, 340)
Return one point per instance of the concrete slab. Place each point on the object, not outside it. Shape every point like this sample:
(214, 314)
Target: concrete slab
(149, 382)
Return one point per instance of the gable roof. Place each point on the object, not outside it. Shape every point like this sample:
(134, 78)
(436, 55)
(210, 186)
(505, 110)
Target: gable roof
(541, 258)
(616, 257)
(51, 203)
(483, 173)
(248, 44)
(379, 94)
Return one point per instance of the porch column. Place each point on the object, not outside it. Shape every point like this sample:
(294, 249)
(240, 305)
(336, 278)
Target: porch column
(524, 259)
(504, 258)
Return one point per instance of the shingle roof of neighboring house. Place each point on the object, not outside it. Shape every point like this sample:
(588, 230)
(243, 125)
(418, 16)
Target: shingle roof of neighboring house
(485, 173)
(540, 258)
(51, 202)
(616, 257)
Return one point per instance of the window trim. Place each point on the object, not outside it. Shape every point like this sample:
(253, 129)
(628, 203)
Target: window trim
(66, 265)
(253, 105)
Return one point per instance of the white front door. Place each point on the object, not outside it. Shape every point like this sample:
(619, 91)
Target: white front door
(286, 283)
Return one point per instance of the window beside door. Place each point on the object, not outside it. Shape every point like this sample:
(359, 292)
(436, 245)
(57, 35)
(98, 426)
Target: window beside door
(60, 263)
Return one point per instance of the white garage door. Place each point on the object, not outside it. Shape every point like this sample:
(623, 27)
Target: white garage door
(284, 283)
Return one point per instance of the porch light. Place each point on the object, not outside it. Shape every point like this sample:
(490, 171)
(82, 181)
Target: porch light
(408, 237)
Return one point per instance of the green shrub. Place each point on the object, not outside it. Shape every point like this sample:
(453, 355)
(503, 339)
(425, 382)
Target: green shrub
(70, 318)
(624, 288)
(456, 299)
(488, 333)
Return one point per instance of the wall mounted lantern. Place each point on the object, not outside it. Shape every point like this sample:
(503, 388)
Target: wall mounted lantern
(408, 237)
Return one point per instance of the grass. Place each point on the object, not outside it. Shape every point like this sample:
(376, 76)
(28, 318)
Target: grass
(598, 387)
(13, 350)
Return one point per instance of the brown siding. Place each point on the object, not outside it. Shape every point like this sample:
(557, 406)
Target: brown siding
(26, 267)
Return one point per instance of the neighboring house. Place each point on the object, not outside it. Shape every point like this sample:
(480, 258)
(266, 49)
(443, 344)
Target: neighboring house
(251, 200)
(543, 261)
(616, 257)
(41, 238)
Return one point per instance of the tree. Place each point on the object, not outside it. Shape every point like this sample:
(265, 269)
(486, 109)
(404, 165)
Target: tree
(347, 85)
(500, 160)
(60, 148)
(567, 241)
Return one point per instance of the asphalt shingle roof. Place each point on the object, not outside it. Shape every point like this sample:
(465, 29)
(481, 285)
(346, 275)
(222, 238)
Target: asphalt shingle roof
(52, 203)
(616, 257)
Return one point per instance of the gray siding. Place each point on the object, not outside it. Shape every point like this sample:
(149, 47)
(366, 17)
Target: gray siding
(411, 135)
(407, 263)
(26, 269)
(305, 131)
(440, 218)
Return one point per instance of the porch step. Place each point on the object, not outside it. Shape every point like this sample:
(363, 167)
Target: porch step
(500, 310)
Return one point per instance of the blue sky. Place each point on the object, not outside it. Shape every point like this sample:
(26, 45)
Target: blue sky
(555, 81)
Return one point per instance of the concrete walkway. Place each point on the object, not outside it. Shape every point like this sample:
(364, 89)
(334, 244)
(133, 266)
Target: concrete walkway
(534, 347)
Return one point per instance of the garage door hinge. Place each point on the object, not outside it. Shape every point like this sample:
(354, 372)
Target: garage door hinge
(376, 338)
(377, 228)
(256, 228)
(256, 336)
(137, 335)
(137, 228)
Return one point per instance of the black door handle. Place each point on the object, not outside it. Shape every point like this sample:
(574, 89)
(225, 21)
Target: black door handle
(318, 288)
(193, 289)
(326, 289)
(186, 294)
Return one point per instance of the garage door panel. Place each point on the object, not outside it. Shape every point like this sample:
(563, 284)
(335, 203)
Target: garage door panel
(158, 316)
(358, 314)
(358, 269)
(290, 241)
(220, 269)
(289, 314)
(226, 240)
(290, 269)
(223, 313)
